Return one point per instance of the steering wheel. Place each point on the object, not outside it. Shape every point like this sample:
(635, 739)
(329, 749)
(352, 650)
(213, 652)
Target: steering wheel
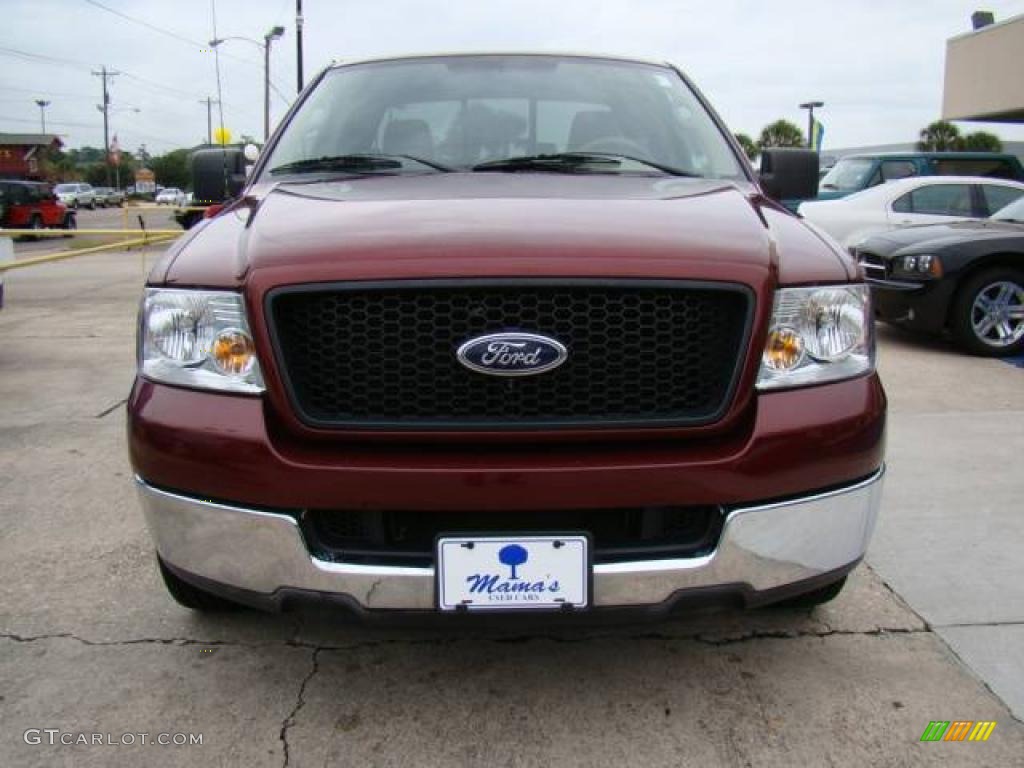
(614, 145)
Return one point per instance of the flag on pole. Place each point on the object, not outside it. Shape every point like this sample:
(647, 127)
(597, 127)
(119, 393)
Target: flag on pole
(817, 135)
(115, 151)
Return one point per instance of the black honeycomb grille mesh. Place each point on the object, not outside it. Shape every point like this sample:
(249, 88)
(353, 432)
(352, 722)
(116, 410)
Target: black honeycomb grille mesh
(384, 356)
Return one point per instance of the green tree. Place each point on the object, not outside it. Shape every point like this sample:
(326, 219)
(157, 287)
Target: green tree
(781, 133)
(940, 136)
(983, 141)
(748, 145)
(173, 169)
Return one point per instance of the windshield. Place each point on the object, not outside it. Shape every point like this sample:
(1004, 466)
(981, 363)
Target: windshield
(848, 175)
(65, 188)
(430, 115)
(1012, 212)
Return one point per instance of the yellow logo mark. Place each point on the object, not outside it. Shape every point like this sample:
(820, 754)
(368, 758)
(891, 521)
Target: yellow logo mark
(982, 730)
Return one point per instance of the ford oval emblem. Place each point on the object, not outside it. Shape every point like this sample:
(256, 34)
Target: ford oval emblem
(512, 354)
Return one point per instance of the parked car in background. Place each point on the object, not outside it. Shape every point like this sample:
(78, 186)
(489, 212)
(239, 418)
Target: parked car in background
(965, 277)
(855, 173)
(33, 205)
(76, 195)
(170, 196)
(107, 197)
(908, 202)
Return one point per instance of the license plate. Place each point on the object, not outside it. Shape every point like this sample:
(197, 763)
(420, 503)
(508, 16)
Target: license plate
(503, 573)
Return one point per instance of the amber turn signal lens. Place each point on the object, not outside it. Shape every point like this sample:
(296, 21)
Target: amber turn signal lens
(783, 350)
(233, 352)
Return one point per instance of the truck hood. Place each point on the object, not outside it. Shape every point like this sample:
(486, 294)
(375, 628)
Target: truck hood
(501, 224)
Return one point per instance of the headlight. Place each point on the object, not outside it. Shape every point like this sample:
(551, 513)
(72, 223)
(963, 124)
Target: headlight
(197, 339)
(917, 266)
(818, 335)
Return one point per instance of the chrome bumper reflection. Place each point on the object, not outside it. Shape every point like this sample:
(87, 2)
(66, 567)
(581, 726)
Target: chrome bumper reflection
(763, 547)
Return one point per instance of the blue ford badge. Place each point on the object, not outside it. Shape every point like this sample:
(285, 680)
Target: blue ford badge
(512, 354)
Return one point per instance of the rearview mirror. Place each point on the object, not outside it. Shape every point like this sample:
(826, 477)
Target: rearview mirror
(788, 174)
(217, 174)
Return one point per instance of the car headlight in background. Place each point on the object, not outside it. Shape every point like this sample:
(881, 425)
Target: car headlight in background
(917, 266)
(818, 335)
(198, 339)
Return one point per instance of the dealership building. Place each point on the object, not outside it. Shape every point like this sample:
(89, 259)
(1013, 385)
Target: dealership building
(984, 71)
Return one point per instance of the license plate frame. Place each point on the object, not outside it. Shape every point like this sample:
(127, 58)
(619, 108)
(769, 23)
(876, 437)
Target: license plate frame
(574, 574)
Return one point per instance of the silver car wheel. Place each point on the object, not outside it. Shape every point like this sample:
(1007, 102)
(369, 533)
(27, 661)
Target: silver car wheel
(997, 314)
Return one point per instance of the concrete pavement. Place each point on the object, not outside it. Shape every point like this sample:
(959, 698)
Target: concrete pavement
(90, 643)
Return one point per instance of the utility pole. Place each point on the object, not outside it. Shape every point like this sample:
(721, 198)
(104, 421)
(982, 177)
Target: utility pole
(209, 101)
(105, 109)
(298, 42)
(42, 104)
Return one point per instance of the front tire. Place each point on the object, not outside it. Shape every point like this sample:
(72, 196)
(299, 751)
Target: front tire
(988, 313)
(192, 597)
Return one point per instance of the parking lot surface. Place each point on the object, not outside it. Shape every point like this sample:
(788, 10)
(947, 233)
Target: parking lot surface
(929, 629)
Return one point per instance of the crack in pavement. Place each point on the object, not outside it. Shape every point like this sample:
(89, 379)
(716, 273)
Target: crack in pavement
(300, 702)
(702, 638)
(111, 409)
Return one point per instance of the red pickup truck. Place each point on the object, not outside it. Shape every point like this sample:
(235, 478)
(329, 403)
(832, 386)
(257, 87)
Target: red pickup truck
(507, 333)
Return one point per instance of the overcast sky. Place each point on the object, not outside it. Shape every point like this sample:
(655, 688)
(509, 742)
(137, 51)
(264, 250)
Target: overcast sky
(877, 64)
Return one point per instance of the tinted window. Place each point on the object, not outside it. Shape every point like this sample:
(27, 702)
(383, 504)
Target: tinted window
(938, 200)
(997, 197)
(996, 168)
(1012, 212)
(464, 110)
(848, 175)
(898, 169)
(17, 194)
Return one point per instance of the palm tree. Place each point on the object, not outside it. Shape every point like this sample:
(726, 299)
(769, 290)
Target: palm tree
(748, 145)
(781, 133)
(940, 136)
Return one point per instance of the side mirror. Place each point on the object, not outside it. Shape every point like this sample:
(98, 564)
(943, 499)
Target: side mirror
(217, 174)
(788, 174)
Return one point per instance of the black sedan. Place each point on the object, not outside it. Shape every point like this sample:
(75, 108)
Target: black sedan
(965, 277)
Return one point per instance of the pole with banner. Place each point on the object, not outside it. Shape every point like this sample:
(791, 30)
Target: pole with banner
(817, 135)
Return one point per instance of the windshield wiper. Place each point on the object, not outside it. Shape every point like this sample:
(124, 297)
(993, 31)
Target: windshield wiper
(574, 161)
(829, 186)
(356, 163)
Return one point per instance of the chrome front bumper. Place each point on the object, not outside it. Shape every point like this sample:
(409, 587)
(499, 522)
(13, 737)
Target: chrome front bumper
(762, 548)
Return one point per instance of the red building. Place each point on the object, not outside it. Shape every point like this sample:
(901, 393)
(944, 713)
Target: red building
(22, 154)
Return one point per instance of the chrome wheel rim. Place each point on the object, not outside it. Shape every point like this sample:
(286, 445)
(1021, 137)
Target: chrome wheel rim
(997, 314)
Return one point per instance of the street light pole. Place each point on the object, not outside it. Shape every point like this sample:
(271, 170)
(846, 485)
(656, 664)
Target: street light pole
(276, 33)
(810, 107)
(42, 104)
(298, 43)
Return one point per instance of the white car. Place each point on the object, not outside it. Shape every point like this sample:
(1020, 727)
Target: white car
(170, 196)
(76, 195)
(906, 202)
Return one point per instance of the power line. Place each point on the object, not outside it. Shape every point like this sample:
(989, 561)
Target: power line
(164, 31)
(43, 92)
